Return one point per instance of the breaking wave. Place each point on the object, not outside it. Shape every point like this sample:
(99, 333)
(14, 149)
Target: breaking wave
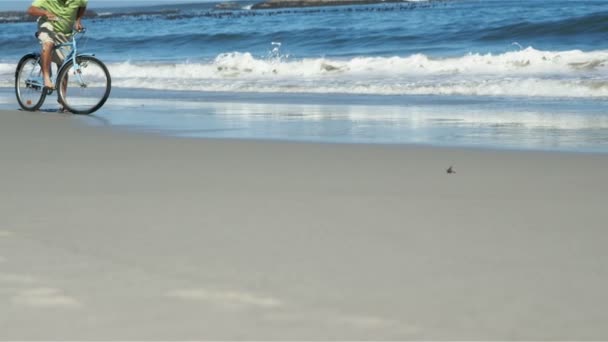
(528, 72)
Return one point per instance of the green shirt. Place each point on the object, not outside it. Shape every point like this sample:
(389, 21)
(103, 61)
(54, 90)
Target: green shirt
(66, 10)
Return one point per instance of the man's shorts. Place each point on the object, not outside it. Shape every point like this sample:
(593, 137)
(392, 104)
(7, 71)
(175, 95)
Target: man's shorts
(46, 34)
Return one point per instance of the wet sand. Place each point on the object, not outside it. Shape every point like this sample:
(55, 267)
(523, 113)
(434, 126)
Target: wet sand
(109, 234)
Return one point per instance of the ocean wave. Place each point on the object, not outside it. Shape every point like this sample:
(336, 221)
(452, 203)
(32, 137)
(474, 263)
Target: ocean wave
(527, 61)
(528, 72)
(589, 24)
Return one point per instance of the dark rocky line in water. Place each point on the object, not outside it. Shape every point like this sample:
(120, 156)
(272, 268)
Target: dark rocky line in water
(272, 4)
(21, 17)
(222, 10)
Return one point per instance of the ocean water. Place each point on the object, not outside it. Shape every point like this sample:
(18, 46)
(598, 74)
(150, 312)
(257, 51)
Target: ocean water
(526, 74)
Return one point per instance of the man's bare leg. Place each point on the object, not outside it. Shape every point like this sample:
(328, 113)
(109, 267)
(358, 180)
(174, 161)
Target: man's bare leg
(64, 84)
(47, 56)
(64, 88)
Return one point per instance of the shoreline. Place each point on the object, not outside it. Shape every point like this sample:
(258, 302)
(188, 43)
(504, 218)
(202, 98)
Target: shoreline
(272, 240)
(493, 123)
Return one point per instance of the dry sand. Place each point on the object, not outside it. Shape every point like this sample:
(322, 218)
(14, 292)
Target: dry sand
(107, 234)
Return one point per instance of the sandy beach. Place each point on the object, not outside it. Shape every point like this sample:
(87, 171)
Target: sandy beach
(109, 234)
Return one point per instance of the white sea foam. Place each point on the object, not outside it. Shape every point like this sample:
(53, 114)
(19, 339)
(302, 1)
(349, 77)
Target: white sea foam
(7, 69)
(528, 72)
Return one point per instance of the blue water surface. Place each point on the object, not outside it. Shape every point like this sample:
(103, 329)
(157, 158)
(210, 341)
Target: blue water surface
(538, 79)
(436, 28)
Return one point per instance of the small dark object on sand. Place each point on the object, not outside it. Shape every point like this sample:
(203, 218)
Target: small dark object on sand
(450, 170)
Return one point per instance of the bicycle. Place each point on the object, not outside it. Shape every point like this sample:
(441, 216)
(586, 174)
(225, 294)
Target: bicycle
(83, 83)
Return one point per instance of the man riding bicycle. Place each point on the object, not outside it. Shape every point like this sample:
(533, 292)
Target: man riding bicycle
(57, 19)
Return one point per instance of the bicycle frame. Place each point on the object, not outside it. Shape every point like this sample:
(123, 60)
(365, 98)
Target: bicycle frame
(72, 55)
(73, 44)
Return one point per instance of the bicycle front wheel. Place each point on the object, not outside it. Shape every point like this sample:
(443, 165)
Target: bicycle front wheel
(83, 88)
(29, 84)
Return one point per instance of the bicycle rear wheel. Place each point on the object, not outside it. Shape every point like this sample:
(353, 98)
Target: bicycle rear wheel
(29, 83)
(83, 88)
